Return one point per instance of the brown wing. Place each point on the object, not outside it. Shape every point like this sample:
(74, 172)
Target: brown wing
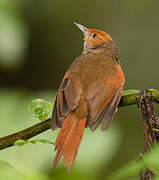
(67, 100)
(103, 101)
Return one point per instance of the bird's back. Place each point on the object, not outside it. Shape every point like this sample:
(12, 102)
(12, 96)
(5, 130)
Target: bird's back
(91, 68)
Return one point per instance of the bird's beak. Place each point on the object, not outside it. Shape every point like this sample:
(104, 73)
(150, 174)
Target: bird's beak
(83, 29)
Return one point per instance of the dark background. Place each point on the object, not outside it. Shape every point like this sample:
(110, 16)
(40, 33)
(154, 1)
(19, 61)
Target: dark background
(38, 42)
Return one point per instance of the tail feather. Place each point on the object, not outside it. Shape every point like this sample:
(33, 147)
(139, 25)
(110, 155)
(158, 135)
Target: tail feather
(68, 140)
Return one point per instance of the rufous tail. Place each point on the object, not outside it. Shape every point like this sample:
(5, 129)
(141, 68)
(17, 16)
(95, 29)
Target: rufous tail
(69, 139)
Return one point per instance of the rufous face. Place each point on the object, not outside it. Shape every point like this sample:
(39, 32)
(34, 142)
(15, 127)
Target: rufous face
(93, 37)
(96, 38)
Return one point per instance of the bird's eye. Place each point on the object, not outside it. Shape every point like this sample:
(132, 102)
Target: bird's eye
(95, 35)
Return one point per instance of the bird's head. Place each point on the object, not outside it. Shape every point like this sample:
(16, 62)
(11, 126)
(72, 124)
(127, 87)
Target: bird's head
(93, 38)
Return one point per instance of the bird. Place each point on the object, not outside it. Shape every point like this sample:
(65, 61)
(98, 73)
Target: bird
(88, 95)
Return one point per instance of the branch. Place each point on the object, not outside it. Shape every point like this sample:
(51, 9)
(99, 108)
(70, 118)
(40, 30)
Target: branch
(25, 134)
(127, 99)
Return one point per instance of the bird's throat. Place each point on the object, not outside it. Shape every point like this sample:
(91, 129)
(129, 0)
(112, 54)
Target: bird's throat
(109, 48)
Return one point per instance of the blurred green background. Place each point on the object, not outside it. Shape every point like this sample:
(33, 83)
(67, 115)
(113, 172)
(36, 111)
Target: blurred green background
(38, 42)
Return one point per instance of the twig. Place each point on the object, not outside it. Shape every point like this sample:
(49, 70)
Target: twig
(30, 132)
(150, 123)
(25, 134)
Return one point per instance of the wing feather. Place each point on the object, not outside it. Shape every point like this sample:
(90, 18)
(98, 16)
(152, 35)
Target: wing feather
(102, 105)
(66, 101)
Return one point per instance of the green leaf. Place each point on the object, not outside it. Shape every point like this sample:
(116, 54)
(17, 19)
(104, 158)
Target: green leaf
(4, 164)
(130, 91)
(45, 141)
(40, 108)
(33, 141)
(21, 142)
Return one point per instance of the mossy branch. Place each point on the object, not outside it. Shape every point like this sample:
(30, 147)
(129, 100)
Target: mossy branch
(129, 98)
